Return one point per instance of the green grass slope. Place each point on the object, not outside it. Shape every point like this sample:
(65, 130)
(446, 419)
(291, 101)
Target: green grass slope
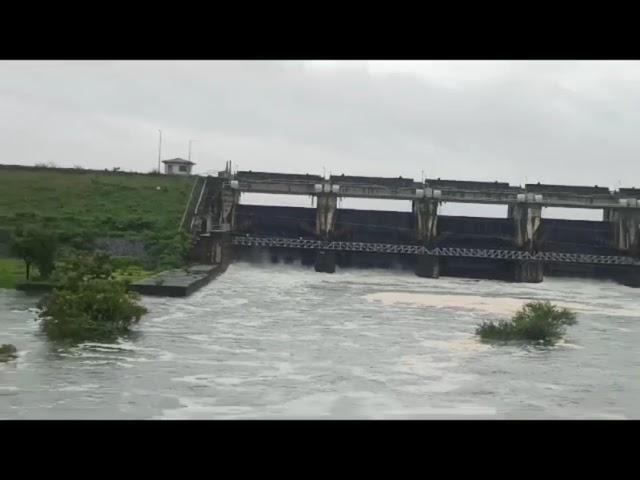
(12, 271)
(92, 203)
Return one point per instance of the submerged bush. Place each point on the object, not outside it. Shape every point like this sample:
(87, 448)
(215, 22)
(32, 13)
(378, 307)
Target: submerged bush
(8, 352)
(534, 322)
(89, 303)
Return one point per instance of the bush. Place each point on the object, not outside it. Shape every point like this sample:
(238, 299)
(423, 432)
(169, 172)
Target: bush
(8, 352)
(534, 322)
(89, 303)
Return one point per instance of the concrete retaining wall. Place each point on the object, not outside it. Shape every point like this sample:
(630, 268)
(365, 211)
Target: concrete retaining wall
(121, 247)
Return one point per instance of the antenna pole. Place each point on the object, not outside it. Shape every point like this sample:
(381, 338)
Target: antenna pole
(159, 150)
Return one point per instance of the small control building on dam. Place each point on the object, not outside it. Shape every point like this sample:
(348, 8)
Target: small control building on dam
(523, 247)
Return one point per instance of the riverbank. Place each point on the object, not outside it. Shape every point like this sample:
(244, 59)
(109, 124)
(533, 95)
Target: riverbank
(12, 275)
(180, 282)
(177, 282)
(124, 214)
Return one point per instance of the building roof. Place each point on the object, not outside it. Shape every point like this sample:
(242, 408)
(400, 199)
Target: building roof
(180, 161)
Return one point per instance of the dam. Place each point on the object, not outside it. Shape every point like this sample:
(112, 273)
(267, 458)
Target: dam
(522, 247)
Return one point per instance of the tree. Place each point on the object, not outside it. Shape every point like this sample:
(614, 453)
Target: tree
(36, 247)
(89, 303)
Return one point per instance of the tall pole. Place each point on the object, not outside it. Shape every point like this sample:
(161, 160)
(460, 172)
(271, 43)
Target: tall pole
(189, 157)
(159, 150)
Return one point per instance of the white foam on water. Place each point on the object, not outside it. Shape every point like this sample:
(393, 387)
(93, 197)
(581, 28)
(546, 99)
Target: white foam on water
(78, 388)
(194, 408)
(9, 388)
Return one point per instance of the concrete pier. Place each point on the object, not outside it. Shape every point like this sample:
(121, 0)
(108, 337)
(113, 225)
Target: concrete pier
(428, 266)
(527, 219)
(425, 213)
(528, 271)
(425, 216)
(178, 282)
(325, 261)
(327, 204)
(626, 228)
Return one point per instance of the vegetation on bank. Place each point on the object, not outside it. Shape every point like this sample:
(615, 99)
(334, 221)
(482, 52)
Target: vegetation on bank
(35, 247)
(49, 216)
(89, 302)
(12, 272)
(534, 322)
(83, 205)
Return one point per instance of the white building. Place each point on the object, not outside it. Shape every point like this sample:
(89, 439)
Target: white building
(178, 166)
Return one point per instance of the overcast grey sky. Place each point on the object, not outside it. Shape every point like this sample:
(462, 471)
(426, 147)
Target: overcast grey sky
(575, 122)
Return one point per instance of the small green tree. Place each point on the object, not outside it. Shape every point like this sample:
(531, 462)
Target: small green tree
(36, 247)
(535, 321)
(89, 303)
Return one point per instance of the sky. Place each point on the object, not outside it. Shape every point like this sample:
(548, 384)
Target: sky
(573, 122)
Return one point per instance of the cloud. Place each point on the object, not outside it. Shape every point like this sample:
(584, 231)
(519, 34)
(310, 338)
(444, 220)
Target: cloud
(554, 122)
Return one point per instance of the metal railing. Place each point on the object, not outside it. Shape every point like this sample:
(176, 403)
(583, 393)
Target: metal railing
(189, 210)
(549, 257)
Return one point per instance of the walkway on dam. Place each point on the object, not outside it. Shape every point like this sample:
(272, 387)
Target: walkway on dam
(498, 254)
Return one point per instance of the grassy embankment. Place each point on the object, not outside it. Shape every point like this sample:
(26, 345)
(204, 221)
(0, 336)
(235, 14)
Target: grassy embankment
(80, 206)
(12, 272)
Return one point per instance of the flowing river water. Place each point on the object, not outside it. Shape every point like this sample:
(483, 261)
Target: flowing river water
(281, 341)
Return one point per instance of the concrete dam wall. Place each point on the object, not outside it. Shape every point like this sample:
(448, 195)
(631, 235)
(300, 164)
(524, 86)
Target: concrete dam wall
(521, 247)
(578, 236)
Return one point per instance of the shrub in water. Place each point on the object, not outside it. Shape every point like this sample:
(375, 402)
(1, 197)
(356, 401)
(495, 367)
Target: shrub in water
(89, 303)
(535, 322)
(8, 352)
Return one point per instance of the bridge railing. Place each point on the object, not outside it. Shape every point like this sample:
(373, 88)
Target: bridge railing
(192, 204)
(497, 254)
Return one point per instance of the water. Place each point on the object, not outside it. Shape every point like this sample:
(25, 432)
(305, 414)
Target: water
(281, 341)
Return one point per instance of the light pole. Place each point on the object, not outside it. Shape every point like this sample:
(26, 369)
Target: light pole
(159, 150)
(189, 157)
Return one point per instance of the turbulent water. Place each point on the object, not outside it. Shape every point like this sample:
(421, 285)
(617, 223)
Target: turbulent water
(281, 341)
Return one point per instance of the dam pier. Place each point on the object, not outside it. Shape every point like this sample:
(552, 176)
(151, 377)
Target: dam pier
(522, 247)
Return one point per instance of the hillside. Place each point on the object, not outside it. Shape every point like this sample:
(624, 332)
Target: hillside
(95, 203)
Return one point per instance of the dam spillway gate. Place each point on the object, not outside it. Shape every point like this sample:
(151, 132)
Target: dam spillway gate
(522, 247)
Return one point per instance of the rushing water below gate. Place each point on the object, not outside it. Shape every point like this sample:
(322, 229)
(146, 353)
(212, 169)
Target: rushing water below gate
(281, 341)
